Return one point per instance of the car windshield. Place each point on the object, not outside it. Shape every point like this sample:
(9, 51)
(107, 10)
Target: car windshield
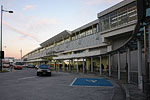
(19, 63)
(44, 66)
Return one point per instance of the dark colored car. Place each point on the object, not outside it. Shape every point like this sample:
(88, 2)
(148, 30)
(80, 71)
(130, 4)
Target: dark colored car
(44, 70)
(31, 66)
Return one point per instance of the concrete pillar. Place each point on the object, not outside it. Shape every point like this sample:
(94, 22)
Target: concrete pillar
(55, 66)
(129, 64)
(63, 65)
(83, 66)
(118, 65)
(58, 65)
(140, 85)
(92, 29)
(91, 64)
(77, 66)
(109, 64)
(69, 66)
(100, 67)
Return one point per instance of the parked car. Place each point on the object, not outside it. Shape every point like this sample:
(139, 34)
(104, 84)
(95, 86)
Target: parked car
(31, 66)
(6, 65)
(18, 65)
(44, 70)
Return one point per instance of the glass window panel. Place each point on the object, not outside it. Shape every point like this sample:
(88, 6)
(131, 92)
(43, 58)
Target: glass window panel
(113, 19)
(122, 15)
(132, 15)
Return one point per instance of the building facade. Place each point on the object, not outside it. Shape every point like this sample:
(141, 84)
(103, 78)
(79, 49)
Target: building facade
(108, 40)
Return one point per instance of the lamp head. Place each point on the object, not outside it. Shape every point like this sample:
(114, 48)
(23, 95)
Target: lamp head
(10, 11)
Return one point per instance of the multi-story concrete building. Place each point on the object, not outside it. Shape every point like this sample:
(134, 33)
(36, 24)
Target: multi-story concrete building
(112, 40)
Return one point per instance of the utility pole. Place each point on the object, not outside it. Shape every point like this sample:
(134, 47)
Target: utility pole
(1, 52)
(1, 39)
(21, 54)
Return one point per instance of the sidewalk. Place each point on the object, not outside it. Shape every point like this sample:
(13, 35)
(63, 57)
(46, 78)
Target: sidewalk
(131, 91)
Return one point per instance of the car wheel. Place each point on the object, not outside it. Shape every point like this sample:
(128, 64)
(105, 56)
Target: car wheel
(49, 74)
(38, 74)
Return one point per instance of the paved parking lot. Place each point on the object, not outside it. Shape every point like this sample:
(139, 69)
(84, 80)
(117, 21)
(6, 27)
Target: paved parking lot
(25, 85)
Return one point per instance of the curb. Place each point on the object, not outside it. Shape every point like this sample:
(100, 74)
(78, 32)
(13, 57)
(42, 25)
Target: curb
(126, 92)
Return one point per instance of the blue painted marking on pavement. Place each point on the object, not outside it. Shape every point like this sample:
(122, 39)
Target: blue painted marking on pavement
(91, 82)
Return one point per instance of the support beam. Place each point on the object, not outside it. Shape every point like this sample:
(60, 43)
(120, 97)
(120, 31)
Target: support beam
(100, 67)
(77, 66)
(58, 66)
(129, 64)
(55, 63)
(109, 64)
(118, 65)
(69, 66)
(91, 64)
(140, 85)
(63, 65)
(83, 66)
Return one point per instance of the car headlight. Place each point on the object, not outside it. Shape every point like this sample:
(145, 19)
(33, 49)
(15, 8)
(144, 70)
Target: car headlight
(39, 70)
(49, 71)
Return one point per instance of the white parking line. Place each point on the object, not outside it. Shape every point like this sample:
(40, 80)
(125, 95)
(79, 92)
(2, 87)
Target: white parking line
(26, 78)
(73, 81)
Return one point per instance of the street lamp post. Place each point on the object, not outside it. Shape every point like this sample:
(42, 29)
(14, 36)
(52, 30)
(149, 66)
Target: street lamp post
(2, 10)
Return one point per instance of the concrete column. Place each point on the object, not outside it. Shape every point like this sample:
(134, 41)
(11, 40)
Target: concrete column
(92, 29)
(118, 65)
(54, 65)
(129, 64)
(83, 66)
(58, 65)
(97, 29)
(109, 65)
(140, 85)
(69, 66)
(77, 66)
(100, 67)
(91, 64)
(63, 65)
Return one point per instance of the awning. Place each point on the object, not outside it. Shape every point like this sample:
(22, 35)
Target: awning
(36, 60)
(80, 55)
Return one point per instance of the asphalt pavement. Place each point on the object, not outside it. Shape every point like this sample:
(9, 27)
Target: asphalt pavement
(25, 85)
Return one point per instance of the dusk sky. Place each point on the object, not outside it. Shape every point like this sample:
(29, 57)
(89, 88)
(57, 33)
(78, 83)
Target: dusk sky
(35, 21)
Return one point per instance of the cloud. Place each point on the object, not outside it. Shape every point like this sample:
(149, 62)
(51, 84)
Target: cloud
(29, 7)
(22, 33)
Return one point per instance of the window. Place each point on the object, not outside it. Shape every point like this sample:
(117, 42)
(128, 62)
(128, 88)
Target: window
(113, 19)
(121, 16)
(132, 15)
